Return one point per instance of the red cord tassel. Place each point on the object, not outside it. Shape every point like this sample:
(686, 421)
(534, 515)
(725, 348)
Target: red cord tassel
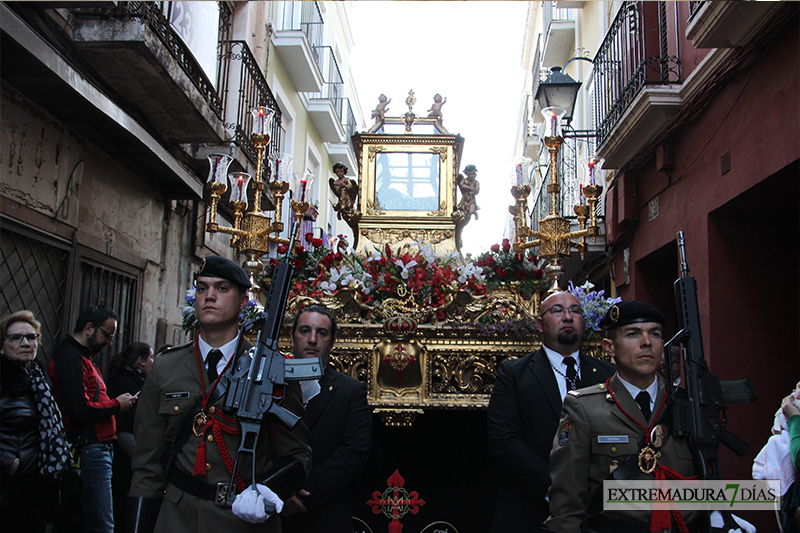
(200, 460)
(660, 520)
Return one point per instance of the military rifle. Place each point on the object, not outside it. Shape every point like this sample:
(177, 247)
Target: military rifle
(698, 400)
(258, 382)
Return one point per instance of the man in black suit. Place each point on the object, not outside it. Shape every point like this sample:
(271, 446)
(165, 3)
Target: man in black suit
(341, 433)
(525, 407)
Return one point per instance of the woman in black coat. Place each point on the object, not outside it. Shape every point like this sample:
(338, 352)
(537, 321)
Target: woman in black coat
(127, 374)
(33, 447)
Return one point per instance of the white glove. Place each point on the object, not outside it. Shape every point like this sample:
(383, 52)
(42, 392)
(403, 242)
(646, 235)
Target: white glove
(250, 504)
(744, 526)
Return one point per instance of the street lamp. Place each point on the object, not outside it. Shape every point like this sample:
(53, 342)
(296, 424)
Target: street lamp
(558, 90)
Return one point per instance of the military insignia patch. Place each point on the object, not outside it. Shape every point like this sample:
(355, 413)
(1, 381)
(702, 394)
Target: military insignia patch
(563, 432)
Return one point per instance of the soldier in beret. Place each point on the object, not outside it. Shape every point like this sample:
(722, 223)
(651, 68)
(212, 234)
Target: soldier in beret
(618, 430)
(185, 442)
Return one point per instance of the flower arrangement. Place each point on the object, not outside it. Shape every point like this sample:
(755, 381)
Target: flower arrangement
(418, 277)
(501, 265)
(253, 309)
(594, 305)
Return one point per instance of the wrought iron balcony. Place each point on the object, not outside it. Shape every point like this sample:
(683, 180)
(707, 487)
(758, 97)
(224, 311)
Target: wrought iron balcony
(559, 32)
(298, 37)
(635, 53)
(243, 85)
(345, 152)
(140, 53)
(694, 8)
(326, 106)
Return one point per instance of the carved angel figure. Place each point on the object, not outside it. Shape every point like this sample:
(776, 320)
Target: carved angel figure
(379, 113)
(469, 187)
(345, 189)
(436, 108)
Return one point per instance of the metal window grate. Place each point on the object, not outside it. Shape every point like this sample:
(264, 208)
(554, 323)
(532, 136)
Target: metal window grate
(725, 163)
(101, 285)
(35, 277)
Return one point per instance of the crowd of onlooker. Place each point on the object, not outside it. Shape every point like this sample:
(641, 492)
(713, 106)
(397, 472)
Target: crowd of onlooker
(66, 438)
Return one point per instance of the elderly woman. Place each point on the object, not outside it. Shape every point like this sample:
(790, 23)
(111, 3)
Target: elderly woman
(33, 447)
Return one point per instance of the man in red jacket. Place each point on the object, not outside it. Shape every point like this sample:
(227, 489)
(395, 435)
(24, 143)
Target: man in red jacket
(88, 411)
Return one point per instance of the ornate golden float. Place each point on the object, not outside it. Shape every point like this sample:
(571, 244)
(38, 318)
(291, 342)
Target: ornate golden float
(432, 343)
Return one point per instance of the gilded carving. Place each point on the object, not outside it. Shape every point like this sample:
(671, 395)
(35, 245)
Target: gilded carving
(442, 151)
(374, 150)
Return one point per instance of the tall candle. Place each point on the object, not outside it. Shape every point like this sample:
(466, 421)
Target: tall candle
(303, 190)
(591, 165)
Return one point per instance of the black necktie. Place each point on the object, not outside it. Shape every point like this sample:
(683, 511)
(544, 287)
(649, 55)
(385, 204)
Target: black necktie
(572, 374)
(211, 363)
(643, 399)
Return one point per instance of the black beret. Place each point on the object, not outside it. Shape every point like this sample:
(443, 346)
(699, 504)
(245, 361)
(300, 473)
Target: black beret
(631, 312)
(215, 266)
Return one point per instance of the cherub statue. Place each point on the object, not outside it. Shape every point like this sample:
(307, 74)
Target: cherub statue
(436, 108)
(469, 187)
(345, 189)
(379, 113)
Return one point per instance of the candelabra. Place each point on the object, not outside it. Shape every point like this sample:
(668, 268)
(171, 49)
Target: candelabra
(554, 238)
(254, 230)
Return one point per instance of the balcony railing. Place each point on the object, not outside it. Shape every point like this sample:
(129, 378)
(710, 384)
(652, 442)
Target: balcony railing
(536, 70)
(694, 8)
(333, 83)
(153, 14)
(635, 53)
(349, 120)
(244, 87)
(304, 16)
(552, 13)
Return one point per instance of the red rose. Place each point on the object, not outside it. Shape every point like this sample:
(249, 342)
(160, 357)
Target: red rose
(520, 274)
(309, 236)
(533, 258)
(282, 249)
(519, 257)
(489, 261)
(298, 263)
(338, 256)
(495, 248)
(299, 250)
(502, 272)
(316, 243)
(506, 245)
(539, 273)
(273, 262)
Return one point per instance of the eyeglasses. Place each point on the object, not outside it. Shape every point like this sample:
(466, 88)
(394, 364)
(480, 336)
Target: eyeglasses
(16, 338)
(559, 310)
(109, 336)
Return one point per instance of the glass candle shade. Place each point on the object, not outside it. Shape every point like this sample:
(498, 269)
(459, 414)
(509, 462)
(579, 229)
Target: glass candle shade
(302, 186)
(280, 165)
(593, 173)
(219, 164)
(262, 122)
(552, 121)
(521, 171)
(238, 182)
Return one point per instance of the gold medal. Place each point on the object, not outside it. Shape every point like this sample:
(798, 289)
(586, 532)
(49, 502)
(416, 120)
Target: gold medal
(199, 424)
(648, 459)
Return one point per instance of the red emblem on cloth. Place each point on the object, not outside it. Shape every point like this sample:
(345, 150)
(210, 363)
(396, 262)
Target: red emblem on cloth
(395, 502)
